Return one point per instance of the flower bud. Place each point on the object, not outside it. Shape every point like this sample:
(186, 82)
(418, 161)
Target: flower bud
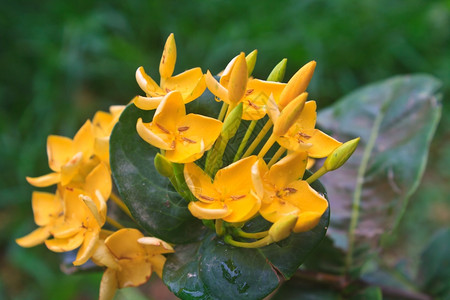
(282, 228)
(168, 58)
(289, 115)
(297, 84)
(238, 79)
(340, 155)
(278, 72)
(232, 122)
(163, 166)
(251, 61)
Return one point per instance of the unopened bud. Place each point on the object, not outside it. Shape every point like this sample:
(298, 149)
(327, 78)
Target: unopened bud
(340, 155)
(168, 58)
(278, 72)
(238, 79)
(163, 166)
(297, 84)
(289, 115)
(282, 228)
(251, 61)
(232, 122)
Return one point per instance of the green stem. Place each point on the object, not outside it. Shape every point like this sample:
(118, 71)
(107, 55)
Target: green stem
(114, 223)
(276, 156)
(230, 109)
(267, 146)
(220, 230)
(251, 235)
(258, 138)
(319, 173)
(260, 243)
(358, 189)
(244, 141)
(222, 112)
(179, 182)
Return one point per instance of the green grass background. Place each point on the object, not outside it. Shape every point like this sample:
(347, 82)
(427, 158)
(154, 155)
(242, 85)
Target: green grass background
(62, 60)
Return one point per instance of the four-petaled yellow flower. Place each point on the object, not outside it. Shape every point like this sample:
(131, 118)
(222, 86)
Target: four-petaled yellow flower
(284, 194)
(191, 83)
(135, 258)
(230, 197)
(71, 160)
(234, 87)
(303, 136)
(84, 215)
(183, 137)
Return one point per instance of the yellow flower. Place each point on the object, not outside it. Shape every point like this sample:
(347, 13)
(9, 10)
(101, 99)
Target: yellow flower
(230, 197)
(183, 137)
(71, 160)
(285, 194)
(302, 136)
(235, 87)
(191, 83)
(84, 215)
(136, 257)
(103, 124)
(47, 210)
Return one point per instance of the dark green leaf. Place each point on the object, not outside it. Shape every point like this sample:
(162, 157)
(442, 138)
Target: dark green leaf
(407, 110)
(370, 293)
(155, 205)
(214, 270)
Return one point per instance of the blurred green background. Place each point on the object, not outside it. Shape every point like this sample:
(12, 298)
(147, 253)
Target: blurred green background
(63, 61)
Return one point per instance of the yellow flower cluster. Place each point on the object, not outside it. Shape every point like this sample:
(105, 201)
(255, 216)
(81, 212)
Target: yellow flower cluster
(73, 217)
(250, 185)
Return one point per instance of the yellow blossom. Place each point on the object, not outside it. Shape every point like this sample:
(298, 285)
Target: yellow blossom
(70, 160)
(297, 84)
(230, 197)
(191, 83)
(47, 210)
(183, 137)
(302, 136)
(84, 215)
(135, 257)
(285, 194)
(234, 87)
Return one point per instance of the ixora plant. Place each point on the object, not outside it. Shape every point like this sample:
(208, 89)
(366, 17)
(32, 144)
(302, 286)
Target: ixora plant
(212, 173)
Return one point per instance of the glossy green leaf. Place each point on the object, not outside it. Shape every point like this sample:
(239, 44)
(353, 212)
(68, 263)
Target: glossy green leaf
(212, 269)
(396, 120)
(153, 202)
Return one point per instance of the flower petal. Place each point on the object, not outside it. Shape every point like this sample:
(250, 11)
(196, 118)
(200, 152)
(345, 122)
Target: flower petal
(238, 79)
(147, 84)
(147, 103)
(169, 112)
(156, 139)
(134, 272)
(200, 128)
(155, 246)
(209, 211)
(67, 244)
(103, 123)
(157, 262)
(87, 248)
(71, 168)
(190, 84)
(288, 169)
(243, 209)
(216, 88)
(36, 237)
(123, 243)
(307, 221)
(200, 183)
(297, 84)
(235, 179)
(84, 140)
(59, 151)
(186, 152)
(322, 144)
(103, 257)
(108, 285)
(44, 180)
(46, 207)
(99, 179)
